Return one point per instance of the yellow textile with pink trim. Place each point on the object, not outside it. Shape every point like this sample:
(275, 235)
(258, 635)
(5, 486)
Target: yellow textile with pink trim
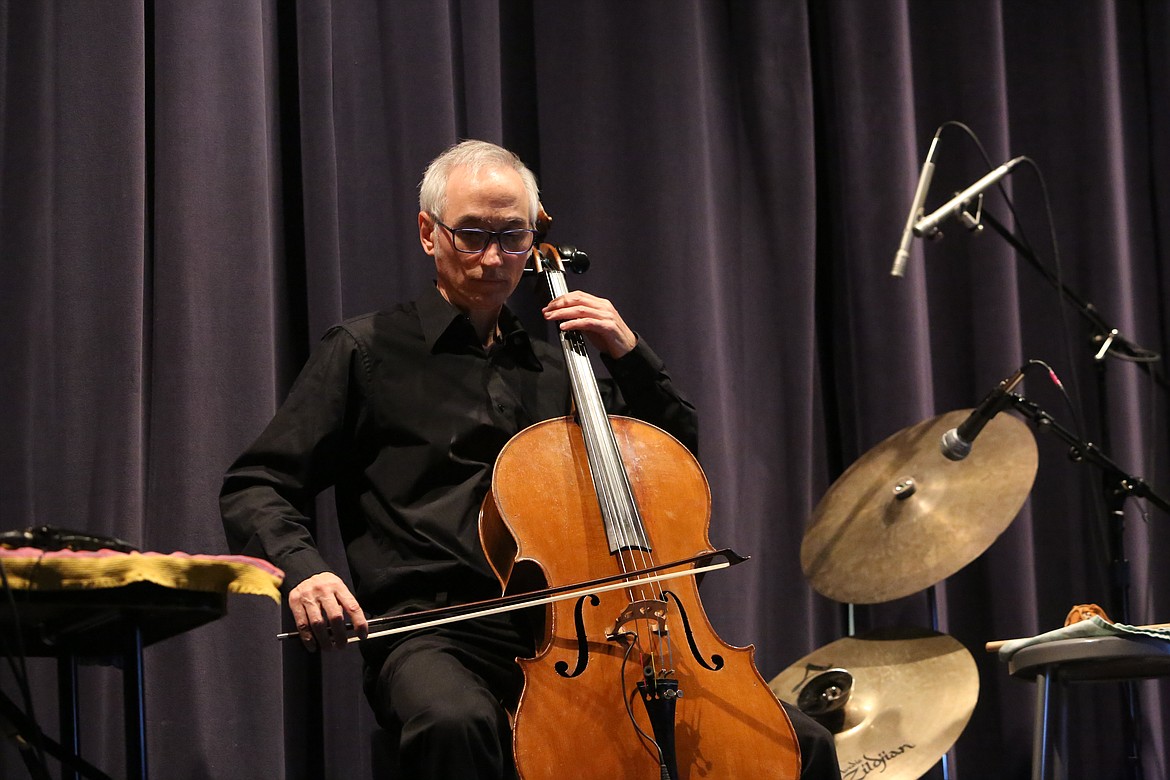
(28, 568)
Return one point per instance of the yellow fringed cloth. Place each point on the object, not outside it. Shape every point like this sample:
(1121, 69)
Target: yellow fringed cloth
(28, 568)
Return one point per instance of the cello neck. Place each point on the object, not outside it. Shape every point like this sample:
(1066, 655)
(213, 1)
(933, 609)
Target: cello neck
(619, 511)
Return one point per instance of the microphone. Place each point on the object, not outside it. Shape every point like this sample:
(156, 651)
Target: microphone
(956, 443)
(917, 206)
(928, 226)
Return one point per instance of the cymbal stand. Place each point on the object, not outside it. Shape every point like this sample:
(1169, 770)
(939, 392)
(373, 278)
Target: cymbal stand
(949, 771)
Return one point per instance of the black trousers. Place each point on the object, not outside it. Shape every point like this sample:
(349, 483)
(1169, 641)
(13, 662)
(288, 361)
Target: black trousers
(445, 692)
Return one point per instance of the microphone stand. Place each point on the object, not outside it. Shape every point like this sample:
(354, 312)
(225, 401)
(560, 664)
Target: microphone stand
(1119, 485)
(1108, 340)
(1125, 485)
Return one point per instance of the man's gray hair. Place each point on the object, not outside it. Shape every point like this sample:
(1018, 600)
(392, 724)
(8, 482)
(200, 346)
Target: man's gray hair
(474, 155)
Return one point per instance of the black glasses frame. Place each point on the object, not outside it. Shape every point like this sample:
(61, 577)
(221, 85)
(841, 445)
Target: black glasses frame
(487, 236)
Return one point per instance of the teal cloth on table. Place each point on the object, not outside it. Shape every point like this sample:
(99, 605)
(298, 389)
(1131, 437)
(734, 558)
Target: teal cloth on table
(1094, 626)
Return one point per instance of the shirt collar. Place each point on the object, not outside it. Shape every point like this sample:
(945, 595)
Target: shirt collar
(443, 324)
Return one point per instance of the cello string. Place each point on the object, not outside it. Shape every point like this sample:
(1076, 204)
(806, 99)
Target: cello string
(590, 413)
(613, 487)
(594, 421)
(611, 481)
(611, 476)
(635, 551)
(589, 409)
(633, 547)
(603, 481)
(637, 548)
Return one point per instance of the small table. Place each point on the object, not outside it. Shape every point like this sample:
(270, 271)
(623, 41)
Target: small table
(1084, 659)
(105, 607)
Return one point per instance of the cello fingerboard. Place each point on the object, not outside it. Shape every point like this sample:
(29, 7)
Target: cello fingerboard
(624, 529)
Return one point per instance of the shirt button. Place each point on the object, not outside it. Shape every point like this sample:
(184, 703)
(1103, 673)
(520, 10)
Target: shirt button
(500, 407)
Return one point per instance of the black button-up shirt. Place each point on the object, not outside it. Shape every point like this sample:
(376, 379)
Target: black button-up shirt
(403, 412)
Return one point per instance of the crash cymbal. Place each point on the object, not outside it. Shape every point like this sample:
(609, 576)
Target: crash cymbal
(895, 700)
(903, 517)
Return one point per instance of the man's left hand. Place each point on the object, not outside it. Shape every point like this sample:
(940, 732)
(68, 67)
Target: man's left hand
(596, 318)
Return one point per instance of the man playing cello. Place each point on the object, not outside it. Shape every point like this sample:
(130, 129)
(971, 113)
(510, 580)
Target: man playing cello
(403, 412)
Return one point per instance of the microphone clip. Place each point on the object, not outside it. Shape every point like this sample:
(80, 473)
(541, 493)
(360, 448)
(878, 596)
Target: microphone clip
(973, 222)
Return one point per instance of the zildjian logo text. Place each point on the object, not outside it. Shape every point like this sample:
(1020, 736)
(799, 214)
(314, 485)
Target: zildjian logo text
(861, 767)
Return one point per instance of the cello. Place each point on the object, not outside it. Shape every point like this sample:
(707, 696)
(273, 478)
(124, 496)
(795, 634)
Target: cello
(634, 682)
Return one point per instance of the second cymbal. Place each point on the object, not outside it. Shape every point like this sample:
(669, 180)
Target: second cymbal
(896, 700)
(903, 517)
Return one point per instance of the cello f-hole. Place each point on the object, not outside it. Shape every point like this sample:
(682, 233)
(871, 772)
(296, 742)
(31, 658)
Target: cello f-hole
(561, 667)
(716, 659)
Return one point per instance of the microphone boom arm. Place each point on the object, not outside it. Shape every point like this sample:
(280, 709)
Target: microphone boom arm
(1087, 452)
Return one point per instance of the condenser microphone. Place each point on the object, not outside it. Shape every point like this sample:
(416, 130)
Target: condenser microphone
(917, 206)
(956, 443)
(928, 226)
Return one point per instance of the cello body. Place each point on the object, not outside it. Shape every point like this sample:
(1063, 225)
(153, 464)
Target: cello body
(581, 714)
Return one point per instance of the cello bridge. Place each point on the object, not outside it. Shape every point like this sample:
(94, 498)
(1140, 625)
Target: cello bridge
(650, 610)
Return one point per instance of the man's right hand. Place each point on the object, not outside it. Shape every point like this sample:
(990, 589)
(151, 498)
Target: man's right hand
(320, 606)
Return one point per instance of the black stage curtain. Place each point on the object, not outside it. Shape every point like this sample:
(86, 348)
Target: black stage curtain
(191, 192)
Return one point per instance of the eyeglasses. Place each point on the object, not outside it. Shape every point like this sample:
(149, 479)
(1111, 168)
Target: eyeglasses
(475, 240)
